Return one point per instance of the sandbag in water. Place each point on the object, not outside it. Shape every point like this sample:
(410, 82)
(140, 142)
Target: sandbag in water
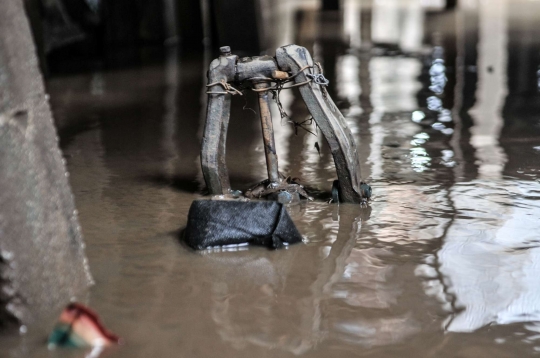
(218, 223)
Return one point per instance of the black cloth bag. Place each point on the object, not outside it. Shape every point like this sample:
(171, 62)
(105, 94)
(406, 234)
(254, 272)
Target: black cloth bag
(222, 222)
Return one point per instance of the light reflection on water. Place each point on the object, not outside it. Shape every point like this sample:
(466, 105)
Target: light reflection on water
(448, 246)
(490, 254)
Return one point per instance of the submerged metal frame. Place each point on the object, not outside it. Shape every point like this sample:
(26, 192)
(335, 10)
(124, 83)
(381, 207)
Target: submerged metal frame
(296, 61)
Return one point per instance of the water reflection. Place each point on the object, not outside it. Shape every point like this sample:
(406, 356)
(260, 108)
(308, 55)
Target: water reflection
(398, 23)
(346, 275)
(491, 92)
(490, 261)
(394, 83)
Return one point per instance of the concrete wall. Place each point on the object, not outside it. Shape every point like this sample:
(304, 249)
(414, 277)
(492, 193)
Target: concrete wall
(42, 261)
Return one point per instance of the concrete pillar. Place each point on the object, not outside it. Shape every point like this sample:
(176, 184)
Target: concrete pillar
(492, 89)
(42, 261)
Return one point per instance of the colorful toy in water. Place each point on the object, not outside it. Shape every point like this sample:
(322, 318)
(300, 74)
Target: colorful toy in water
(79, 326)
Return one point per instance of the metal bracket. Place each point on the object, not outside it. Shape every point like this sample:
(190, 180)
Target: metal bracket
(293, 63)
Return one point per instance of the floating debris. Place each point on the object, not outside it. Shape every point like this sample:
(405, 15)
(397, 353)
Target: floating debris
(79, 326)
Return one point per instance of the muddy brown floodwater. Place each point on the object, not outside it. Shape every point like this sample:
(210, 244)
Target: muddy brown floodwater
(444, 263)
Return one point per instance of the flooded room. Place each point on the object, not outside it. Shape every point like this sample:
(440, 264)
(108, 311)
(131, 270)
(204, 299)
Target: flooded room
(269, 178)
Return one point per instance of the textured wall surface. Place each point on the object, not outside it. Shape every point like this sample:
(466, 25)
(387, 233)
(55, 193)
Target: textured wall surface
(42, 261)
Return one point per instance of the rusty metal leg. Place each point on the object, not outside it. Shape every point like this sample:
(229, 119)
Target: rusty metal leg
(268, 133)
(329, 119)
(213, 144)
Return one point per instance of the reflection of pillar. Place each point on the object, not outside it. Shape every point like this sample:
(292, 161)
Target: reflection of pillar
(411, 34)
(366, 22)
(169, 18)
(394, 83)
(330, 52)
(455, 141)
(352, 22)
(348, 82)
(171, 80)
(365, 83)
(492, 88)
(330, 4)
(451, 4)
(385, 26)
(331, 46)
(465, 89)
(523, 102)
(306, 28)
(524, 81)
(469, 37)
(190, 24)
(276, 23)
(440, 30)
(398, 23)
(129, 22)
(367, 143)
(171, 110)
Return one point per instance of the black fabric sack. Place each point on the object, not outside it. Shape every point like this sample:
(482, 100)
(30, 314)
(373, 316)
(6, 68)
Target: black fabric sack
(218, 223)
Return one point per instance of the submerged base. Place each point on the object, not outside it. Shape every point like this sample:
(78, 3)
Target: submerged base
(221, 222)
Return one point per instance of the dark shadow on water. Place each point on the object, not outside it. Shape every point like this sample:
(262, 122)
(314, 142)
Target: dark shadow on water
(67, 134)
(189, 184)
(184, 184)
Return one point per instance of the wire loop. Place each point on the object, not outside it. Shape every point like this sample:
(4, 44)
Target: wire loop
(228, 88)
(319, 79)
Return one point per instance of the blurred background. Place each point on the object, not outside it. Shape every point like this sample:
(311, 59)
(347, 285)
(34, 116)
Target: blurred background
(446, 59)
